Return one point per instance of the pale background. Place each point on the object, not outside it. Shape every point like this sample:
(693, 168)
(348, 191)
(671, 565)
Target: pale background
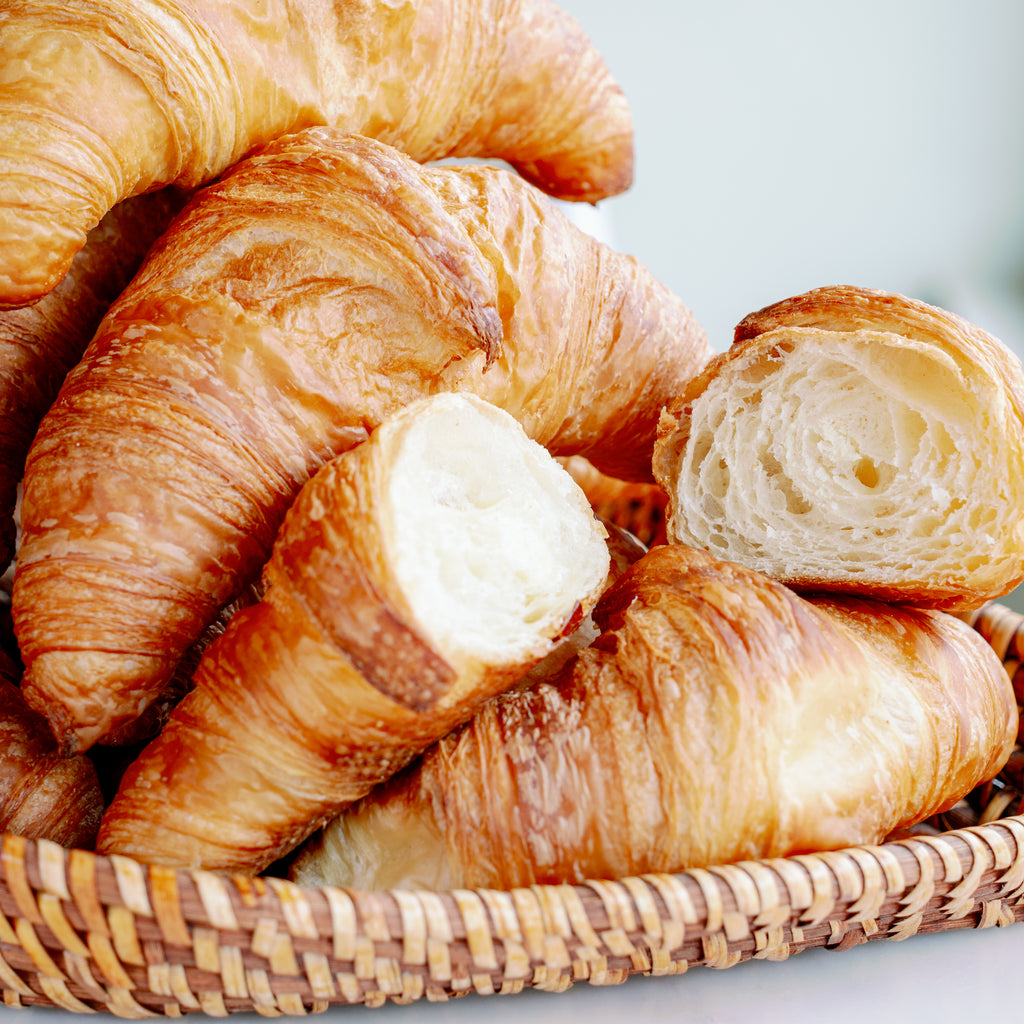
(783, 146)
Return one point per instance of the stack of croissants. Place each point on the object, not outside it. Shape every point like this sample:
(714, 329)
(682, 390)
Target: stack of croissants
(316, 442)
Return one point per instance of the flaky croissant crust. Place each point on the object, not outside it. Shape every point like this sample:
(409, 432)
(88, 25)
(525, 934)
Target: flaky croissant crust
(42, 794)
(718, 717)
(105, 99)
(848, 307)
(40, 343)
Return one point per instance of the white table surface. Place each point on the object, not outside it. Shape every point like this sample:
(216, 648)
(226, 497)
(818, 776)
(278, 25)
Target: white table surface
(964, 976)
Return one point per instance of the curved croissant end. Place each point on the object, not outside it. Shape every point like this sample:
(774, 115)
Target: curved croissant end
(104, 99)
(43, 795)
(855, 440)
(290, 308)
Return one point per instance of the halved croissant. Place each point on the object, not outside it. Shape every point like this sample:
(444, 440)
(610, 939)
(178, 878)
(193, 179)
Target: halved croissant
(40, 343)
(415, 576)
(719, 717)
(855, 440)
(294, 305)
(104, 99)
(42, 794)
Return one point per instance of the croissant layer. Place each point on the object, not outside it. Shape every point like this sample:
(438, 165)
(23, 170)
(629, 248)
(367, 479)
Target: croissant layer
(718, 717)
(40, 343)
(105, 100)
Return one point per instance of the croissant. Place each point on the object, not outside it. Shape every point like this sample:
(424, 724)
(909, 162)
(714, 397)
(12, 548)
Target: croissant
(412, 579)
(718, 717)
(105, 99)
(42, 795)
(40, 343)
(855, 440)
(314, 290)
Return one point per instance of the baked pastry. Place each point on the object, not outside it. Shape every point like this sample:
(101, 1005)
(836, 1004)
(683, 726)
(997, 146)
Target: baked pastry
(855, 440)
(415, 576)
(40, 343)
(105, 99)
(42, 795)
(295, 304)
(718, 717)
(141, 730)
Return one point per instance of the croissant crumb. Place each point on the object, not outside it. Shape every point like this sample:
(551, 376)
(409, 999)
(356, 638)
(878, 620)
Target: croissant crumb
(855, 440)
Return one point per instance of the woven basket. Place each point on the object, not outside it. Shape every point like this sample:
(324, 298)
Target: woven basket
(89, 933)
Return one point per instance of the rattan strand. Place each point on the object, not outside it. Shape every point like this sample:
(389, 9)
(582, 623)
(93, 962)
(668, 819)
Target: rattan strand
(87, 933)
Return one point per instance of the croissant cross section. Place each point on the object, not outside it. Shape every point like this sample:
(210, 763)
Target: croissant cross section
(855, 440)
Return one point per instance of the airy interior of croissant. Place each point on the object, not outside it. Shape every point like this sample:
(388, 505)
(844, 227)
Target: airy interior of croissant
(492, 541)
(861, 444)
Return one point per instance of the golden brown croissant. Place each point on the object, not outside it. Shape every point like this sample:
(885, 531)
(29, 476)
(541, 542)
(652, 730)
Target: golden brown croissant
(142, 729)
(42, 795)
(719, 717)
(295, 304)
(40, 343)
(415, 576)
(855, 440)
(105, 99)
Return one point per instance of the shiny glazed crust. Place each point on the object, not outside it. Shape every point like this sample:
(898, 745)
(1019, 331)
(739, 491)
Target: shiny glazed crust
(41, 342)
(42, 794)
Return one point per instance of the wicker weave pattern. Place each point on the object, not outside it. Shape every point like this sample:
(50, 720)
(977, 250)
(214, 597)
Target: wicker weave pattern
(90, 933)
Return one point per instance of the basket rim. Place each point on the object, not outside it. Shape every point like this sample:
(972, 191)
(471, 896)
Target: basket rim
(314, 947)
